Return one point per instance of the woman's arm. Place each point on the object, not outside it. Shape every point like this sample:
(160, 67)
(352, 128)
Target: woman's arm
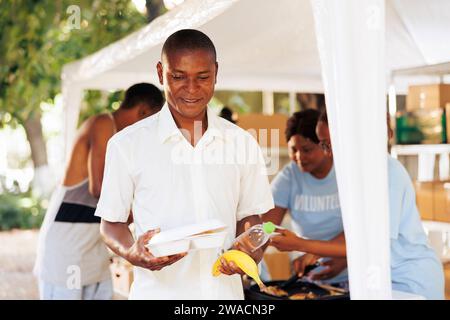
(333, 248)
(275, 215)
(289, 241)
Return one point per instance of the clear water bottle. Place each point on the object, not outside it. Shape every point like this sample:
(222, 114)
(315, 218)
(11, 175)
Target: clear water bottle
(255, 237)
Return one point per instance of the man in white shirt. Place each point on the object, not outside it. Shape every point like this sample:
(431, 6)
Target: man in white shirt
(181, 166)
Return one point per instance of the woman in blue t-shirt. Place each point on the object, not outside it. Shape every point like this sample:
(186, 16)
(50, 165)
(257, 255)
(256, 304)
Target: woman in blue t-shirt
(307, 189)
(415, 267)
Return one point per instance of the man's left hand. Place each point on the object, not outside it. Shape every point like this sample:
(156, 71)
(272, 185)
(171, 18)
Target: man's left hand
(229, 267)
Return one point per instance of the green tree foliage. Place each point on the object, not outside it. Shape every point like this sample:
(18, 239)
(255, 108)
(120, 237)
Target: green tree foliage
(18, 209)
(36, 40)
(21, 211)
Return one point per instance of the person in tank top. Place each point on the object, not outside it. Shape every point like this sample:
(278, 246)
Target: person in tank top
(72, 260)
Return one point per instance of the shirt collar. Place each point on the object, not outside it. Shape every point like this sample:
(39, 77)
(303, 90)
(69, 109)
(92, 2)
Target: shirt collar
(215, 128)
(167, 127)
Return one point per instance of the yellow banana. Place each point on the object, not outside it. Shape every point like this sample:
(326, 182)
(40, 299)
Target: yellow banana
(243, 261)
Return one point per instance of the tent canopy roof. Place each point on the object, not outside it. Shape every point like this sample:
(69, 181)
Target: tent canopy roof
(263, 45)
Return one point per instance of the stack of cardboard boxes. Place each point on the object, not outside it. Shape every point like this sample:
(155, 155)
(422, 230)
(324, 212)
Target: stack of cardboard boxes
(427, 121)
(424, 121)
(433, 200)
(427, 97)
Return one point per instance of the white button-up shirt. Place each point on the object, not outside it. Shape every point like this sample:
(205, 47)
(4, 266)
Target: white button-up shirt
(153, 171)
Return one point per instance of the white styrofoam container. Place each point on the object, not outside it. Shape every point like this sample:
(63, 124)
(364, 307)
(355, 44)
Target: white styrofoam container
(208, 241)
(169, 248)
(204, 235)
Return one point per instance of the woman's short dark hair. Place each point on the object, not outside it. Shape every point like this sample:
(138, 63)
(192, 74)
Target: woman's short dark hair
(227, 113)
(303, 123)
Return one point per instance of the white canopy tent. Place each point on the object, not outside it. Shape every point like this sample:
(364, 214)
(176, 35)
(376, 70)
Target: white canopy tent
(262, 45)
(267, 45)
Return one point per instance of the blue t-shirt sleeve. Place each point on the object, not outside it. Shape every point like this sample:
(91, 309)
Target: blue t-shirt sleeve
(282, 186)
(402, 198)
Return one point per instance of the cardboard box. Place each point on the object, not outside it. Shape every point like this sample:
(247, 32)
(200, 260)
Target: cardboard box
(278, 264)
(441, 203)
(424, 199)
(433, 200)
(433, 96)
(261, 127)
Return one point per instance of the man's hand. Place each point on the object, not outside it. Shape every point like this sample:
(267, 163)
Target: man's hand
(139, 255)
(230, 268)
(286, 241)
(333, 267)
(302, 262)
(257, 255)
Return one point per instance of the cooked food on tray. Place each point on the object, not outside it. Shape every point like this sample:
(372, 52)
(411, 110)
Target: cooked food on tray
(301, 290)
(303, 296)
(275, 291)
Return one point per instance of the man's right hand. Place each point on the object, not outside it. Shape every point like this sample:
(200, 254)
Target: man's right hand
(302, 262)
(138, 254)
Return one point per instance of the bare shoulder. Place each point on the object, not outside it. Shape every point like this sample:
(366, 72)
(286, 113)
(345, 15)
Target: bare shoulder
(147, 128)
(101, 125)
(101, 121)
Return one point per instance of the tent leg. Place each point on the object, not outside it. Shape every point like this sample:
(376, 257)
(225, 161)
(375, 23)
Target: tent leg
(72, 97)
(268, 106)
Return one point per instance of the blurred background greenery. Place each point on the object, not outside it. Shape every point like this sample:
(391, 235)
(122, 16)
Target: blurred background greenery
(20, 209)
(35, 43)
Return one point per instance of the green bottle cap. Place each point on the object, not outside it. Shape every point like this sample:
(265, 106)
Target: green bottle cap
(269, 227)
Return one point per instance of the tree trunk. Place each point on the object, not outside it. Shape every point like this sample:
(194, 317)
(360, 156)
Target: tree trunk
(33, 129)
(154, 9)
(43, 180)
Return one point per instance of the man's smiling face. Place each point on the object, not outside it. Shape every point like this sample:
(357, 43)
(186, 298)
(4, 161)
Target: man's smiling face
(188, 77)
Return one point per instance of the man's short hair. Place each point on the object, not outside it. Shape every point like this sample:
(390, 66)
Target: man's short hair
(143, 93)
(188, 39)
(303, 123)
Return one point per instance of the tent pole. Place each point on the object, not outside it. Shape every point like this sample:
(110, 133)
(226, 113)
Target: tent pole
(292, 102)
(268, 105)
(72, 96)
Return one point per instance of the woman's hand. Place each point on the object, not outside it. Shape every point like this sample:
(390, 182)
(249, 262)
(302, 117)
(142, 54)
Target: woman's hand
(333, 267)
(302, 262)
(286, 241)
